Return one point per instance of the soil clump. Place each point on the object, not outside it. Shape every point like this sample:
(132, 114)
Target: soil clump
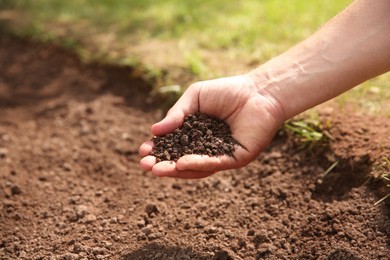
(199, 134)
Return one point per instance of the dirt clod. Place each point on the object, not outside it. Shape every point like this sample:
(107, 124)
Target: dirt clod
(90, 218)
(151, 209)
(15, 190)
(222, 255)
(199, 134)
(339, 254)
(81, 211)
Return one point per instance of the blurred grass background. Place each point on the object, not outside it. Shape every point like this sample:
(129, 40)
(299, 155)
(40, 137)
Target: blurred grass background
(183, 41)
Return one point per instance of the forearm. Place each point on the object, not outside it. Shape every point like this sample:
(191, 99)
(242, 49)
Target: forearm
(351, 48)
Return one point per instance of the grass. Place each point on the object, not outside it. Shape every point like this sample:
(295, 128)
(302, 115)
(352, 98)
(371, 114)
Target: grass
(330, 168)
(216, 23)
(309, 130)
(251, 28)
(203, 38)
(386, 178)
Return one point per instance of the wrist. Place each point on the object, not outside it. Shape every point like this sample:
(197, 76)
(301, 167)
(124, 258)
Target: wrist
(263, 83)
(292, 80)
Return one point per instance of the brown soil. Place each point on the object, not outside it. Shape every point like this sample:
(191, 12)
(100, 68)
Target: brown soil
(70, 185)
(199, 134)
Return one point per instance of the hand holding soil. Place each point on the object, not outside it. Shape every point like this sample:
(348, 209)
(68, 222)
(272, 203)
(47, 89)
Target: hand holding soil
(252, 117)
(199, 134)
(333, 60)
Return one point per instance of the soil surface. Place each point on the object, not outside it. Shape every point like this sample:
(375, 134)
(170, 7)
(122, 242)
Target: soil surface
(71, 187)
(199, 134)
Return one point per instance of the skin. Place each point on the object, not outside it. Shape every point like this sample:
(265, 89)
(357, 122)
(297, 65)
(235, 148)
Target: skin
(351, 48)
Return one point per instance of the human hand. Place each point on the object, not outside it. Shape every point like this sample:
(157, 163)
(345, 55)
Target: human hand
(253, 116)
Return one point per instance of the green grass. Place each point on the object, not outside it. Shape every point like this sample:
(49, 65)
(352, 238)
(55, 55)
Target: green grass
(309, 131)
(258, 29)
(385, 167)
(206, 38)
(386, 178)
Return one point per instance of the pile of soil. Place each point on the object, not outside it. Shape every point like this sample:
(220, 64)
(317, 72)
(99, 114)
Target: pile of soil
(199, 134)
(71, 187)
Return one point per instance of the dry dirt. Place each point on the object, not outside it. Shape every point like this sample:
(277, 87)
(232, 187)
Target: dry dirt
(71, 188)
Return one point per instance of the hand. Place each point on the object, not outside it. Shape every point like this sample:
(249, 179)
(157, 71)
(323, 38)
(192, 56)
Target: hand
(253, 118)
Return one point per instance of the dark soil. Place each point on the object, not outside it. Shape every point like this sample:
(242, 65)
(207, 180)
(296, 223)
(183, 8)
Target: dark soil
(71, 187)
(199, 134)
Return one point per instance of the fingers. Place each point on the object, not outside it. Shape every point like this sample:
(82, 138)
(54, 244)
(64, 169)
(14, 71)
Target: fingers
(187, 104)
(189, 166)
(197, 162)
(146, 148)
(169, 169)
(192, 175)
(164, 168)
(148, 162)
(171, 121)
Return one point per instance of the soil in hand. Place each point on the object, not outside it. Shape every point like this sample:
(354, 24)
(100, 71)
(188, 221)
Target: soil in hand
(199, 134)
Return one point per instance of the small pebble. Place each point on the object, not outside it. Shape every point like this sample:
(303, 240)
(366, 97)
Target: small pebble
(147, 230)
(81, 211)
(90, 218)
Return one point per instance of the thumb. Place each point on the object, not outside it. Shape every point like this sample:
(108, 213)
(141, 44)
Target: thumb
(187, 104)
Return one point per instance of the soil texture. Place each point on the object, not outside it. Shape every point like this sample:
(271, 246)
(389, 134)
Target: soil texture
(199, 134)
(71, 186)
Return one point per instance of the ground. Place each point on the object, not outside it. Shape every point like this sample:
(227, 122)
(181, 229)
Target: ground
(71, 187)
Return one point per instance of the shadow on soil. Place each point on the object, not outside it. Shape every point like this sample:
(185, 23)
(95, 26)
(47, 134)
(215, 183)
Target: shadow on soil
(342, 179)
(380, 191)
(349, 173)
(31, 75)
(156, 251)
